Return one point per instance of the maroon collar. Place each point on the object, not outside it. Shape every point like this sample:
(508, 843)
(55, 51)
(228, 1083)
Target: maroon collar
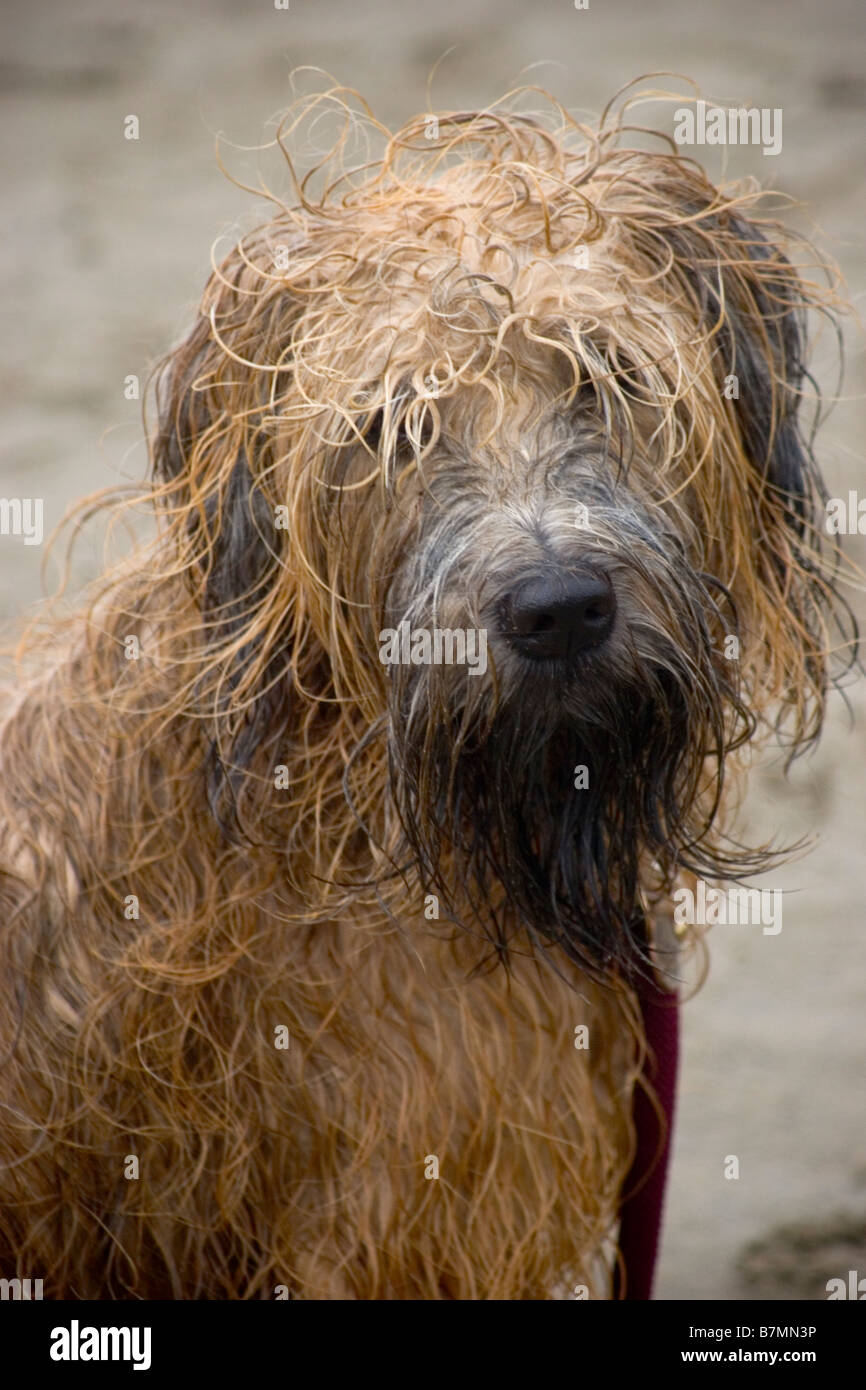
(644, 1188)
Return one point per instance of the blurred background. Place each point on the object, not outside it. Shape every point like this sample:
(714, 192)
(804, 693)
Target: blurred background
(105, 249)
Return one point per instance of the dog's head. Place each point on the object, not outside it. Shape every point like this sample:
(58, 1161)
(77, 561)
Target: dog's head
(488, 472)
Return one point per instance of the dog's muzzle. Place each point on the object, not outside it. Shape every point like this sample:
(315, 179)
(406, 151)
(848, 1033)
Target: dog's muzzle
(559, 614)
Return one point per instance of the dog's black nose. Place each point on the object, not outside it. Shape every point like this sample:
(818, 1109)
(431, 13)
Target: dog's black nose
(560, 615)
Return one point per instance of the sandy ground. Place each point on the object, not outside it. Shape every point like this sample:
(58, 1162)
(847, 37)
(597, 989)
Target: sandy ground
(105, 245)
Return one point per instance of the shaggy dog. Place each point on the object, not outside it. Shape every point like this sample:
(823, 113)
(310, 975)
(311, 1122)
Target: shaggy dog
(336, 829)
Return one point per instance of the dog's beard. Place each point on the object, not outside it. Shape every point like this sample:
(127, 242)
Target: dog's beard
(542, 810)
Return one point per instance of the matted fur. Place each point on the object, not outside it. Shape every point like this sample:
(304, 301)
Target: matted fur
(415, 364)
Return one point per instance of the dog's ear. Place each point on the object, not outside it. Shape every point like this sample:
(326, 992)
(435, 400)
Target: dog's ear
(726, 295)
(752, 306)
(758, 306)
(202, 459)
(210, 455)
(713, 260)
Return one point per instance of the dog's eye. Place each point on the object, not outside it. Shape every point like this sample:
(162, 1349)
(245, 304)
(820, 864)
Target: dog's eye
(586, 399)
(373, 430)
(372, 434)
